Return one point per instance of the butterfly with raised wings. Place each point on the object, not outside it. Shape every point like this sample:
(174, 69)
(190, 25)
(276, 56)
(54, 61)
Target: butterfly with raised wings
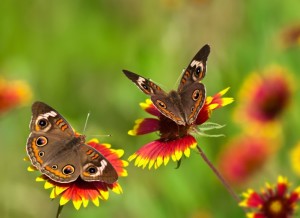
(181, 106)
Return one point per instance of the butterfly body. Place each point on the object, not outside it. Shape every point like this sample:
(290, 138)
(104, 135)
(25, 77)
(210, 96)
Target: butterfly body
(181, 106)
(61, 154)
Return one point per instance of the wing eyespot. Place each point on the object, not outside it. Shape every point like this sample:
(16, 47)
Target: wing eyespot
(198, 71)
(68, 169)
(43, 123)
(41, 153)
(196, 95)
(161, 104)
(92, 170)
(145, 87)
(54, 167)
(41, 141)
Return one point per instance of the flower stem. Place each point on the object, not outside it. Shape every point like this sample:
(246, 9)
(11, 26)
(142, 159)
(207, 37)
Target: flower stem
(59, 209)
(220, 177)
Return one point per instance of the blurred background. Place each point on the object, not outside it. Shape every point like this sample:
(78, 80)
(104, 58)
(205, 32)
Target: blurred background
(70, 54)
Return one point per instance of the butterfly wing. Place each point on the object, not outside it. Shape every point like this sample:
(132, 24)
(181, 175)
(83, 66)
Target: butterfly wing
(148, 87)
(50, 144)
(192, 99)
(167, 104)
(191, 92)
(196, 70)
(52, 120)
(95, 167)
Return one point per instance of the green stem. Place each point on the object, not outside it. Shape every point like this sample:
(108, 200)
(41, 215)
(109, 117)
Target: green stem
(59, 209)
(220, 177)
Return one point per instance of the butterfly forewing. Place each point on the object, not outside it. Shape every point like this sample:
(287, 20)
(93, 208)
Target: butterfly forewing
(43, 114)
(196, 69)
(147, 86)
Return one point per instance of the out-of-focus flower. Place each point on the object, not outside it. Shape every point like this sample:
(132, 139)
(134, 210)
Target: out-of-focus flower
(295, 159)
(175, 140)
(275, 201)
(80, 191)
(13, 94)
(264, 97)
(242, 157)
(290, 36)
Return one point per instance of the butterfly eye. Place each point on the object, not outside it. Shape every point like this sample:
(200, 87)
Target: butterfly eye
(41, 141)
(196, 95)
(68, 169)
(42, 123)
(161, 104)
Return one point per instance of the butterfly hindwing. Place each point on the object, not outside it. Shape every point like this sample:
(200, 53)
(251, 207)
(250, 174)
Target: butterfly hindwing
(95, 167)
(192, 99)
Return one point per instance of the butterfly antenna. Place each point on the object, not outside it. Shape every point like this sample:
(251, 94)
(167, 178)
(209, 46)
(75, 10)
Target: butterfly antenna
(178, 78)
(86, 121)
(107, 135)
(159, 84)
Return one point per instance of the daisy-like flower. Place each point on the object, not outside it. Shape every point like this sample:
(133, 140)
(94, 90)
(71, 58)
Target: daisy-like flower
(263, 97)
(243, 157)
(295, 159)
(175, 140)
(13, 93)
(81, 192)
(275, 201)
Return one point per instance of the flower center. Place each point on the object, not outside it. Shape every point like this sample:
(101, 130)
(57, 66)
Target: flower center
(276, 207)
(169, 130)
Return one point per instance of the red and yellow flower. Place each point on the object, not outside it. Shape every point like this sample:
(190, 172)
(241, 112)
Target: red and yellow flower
(79, 191)
(175, 140)
(264, 97)
(13, 93)
(244, 156)
(275, 201)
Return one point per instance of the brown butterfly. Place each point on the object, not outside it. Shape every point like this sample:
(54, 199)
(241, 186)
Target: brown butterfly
(56, 151)
(181, 106)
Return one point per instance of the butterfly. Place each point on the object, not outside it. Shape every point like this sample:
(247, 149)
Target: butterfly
(61, 154)
(181, 106)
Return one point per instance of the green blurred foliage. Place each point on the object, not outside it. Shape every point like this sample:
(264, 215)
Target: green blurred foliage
(72, 53)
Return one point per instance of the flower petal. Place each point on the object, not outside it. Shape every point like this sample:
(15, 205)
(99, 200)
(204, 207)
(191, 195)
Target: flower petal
(144, 126)
(212, 103)
(149, 107)
(159, 152)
